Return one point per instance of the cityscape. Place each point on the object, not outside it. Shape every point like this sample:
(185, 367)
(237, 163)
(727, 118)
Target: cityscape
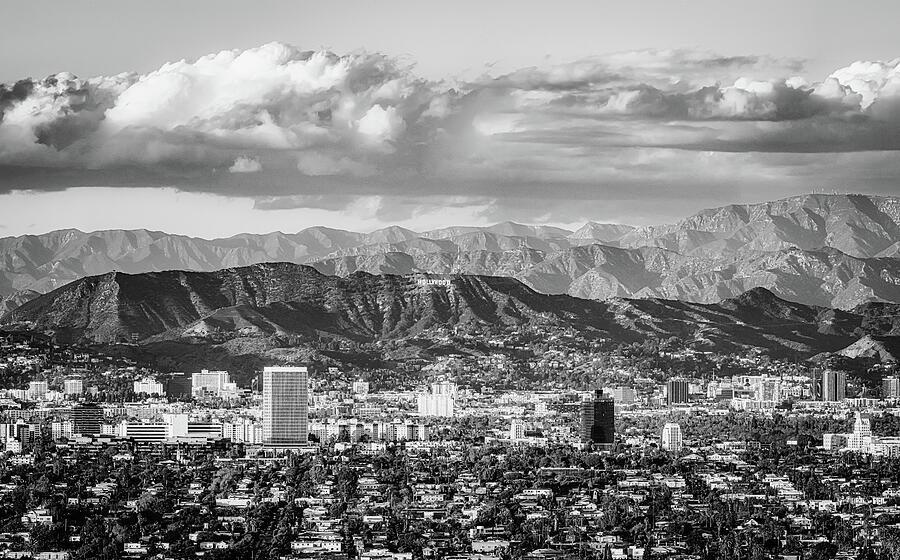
(311, 462)
(409, 280)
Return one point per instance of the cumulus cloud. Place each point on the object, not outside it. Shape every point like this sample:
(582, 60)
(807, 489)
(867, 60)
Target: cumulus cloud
(328, 125)
(244, 164)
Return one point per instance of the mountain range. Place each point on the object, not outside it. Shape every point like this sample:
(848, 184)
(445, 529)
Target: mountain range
(827, 250)
(296, 302)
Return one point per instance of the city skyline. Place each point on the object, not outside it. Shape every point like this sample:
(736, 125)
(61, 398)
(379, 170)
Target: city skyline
(474, 281)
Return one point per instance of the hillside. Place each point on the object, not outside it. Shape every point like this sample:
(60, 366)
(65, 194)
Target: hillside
(827, 250)
(297, 303)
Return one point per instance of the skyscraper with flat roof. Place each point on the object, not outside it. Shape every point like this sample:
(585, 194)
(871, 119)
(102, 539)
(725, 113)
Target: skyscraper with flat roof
(598, 422)
(834, 385)
(890, 387)
(677, 391)
(86, 419)
(285, 406)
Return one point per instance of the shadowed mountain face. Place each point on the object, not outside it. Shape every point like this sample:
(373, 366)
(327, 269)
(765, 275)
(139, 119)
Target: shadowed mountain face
(288, 300)
(828, 250)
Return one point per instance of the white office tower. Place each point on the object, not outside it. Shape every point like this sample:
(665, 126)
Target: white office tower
(73, 387)
(517, 429)
(37, 390)
(861, 438)
(285, 406)
(360, 387)
(210, 382)
(671, 437)
(891, 387)
(440, 402)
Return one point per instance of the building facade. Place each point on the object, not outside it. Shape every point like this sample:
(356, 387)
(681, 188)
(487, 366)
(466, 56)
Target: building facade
(598, 424)
(834, 385)
(285, 406)
(87, 419)
(677, 391)
(671, 437)
(890, 387)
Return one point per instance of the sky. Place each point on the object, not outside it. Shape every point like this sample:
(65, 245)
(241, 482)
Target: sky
(211, 118)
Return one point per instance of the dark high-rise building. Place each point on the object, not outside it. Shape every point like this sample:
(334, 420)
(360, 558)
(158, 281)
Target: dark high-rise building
(86, 419)
(180, 386)
(677, 391)
(598, 420)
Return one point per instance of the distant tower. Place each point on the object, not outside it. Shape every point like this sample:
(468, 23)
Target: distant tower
(834, 385)
(677, 391)
(890, 387)
(671, 437)
(598, 420)
(516, 429)
(861, 438)
(285, 406)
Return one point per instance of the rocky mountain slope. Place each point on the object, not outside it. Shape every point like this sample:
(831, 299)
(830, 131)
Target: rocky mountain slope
(879, 348)
(288, 300)
(829, 250)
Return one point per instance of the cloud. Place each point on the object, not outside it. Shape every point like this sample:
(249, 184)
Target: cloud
(318, 128)
(244, 164)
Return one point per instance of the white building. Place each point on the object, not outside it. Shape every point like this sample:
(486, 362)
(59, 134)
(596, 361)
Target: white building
(517, 429)
(440, 402)
(73, 387)
(60, 430)
(861, 438)
(217, 383)
(148, 386)
(671, 437)
(37, 390)
(242, 430)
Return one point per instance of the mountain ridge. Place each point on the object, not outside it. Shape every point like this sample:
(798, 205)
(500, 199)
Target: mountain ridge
(820, 248)
(296, 302)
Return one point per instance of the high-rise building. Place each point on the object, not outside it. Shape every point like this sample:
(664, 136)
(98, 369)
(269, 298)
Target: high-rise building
(598, 423)
(671, 437)
(60, 430)
(890, 387)
(861, 438)
(37, 390)
(516, 429)
(440, 402)
(677, 391)
(834, 385)
(209, 382)
(86, 419)
(73, 387)
(285, 406)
